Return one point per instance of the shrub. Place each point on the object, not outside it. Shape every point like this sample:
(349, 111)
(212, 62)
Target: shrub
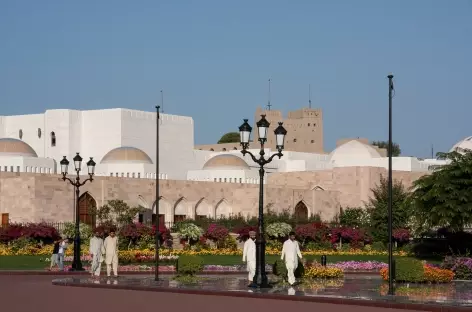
(412, 270)
(313, 232)
(190, 232)
(243, 232)
(216, 233)
(278, 230)
(401, 235)
(85, 230)
(462, 267)
(35, 231)
(189, 265)
(409, 270)
(279, 269)
(355, 237)
(378, 246)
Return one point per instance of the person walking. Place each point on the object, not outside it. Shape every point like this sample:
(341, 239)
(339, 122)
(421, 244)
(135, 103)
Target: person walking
(61, 253)
(54, 256)
(249, 257)
(95, 250)
(291, 253)
(110, 249)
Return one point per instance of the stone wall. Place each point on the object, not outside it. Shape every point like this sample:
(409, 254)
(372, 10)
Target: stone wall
(40, 197)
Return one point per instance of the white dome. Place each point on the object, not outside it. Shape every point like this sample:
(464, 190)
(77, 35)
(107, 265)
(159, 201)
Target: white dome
(126, 154)
(15, 147)
(226, 162)
(353, 149)
(462, 146)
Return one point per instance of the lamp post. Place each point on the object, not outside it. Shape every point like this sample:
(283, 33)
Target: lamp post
(260, 277)
(391, 264)
(157, 238)
(77, 264)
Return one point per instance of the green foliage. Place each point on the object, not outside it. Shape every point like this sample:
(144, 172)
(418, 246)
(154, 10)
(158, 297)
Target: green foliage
(85, 230)
(21, 243)
(378, 246)
(229, 243)
(354, 217)
(233, 223)
(279, 269)
(190, 232)
(189, 265)
(444, 199)
(278, 230)
(396, 151)
(116, 211)
(377, 208)
(409, 270)
(230, 137)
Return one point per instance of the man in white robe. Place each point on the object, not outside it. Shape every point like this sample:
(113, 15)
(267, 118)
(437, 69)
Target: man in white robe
(249, 256)
(291, 253)
(110, 249)
(95, 250)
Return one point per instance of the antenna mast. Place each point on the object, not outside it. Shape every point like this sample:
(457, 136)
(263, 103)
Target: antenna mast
(309, 95)
(162, 101)
(268, 102)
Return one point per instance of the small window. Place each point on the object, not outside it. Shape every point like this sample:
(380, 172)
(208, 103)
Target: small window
(39, 133)
(214, 180)
(294, 140)
(139, 175)
(240, 180)
(312, 141)
(111, 174)
(53, 139)
(122, 174)
(132, 175)
(11, 169)
(127, 174)
(17, 168)
(20, 134)
(219, 180)
(308, 124)
(235, 148)
(224, 149)
(212, 149)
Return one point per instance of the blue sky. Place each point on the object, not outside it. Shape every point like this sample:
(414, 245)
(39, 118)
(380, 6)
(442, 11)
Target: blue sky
(213, 60)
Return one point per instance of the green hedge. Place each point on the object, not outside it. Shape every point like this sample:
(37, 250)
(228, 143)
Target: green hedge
(189, 265)
(279, 269)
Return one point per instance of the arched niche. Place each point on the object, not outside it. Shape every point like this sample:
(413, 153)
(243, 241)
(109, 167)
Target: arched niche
(180, 210)
(301, 211)
(202, 209)
(222, 209)
(165, 211)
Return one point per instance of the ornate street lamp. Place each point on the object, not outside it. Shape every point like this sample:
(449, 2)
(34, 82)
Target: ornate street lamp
(391, 260)
(260, 277)
(77, 264)
(157, 221)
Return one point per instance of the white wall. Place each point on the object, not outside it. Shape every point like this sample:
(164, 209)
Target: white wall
(27, 164)
(224, 176)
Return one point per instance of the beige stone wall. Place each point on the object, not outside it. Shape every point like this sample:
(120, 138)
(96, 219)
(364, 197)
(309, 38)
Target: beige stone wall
(39, 197)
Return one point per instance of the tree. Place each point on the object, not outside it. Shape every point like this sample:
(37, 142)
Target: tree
(230, 137)
(118, 212)
(384, 144)
(377, 207)
(354, 217)
(444, 198)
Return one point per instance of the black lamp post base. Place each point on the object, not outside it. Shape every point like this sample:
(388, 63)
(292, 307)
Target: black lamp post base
(76, 270)
(77, 267)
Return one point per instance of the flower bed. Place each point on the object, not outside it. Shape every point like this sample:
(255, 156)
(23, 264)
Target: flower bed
(171, 268)
(47, 250)
(430, 274)
(355, 266)
(318, 271)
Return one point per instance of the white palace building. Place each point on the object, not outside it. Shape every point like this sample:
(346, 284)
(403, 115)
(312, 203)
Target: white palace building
(122, 143)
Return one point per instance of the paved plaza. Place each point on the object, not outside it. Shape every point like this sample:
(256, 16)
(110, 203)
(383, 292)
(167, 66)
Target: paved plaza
(37, 293)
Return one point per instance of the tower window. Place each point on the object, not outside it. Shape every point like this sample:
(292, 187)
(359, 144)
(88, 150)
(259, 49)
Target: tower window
(294, 140)
(20, 134)
(308, 124)
(39, 133)
(312, 141)
(53, 139)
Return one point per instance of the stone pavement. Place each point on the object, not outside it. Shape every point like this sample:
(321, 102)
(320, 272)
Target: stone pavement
(358, 291)
(37, 293)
